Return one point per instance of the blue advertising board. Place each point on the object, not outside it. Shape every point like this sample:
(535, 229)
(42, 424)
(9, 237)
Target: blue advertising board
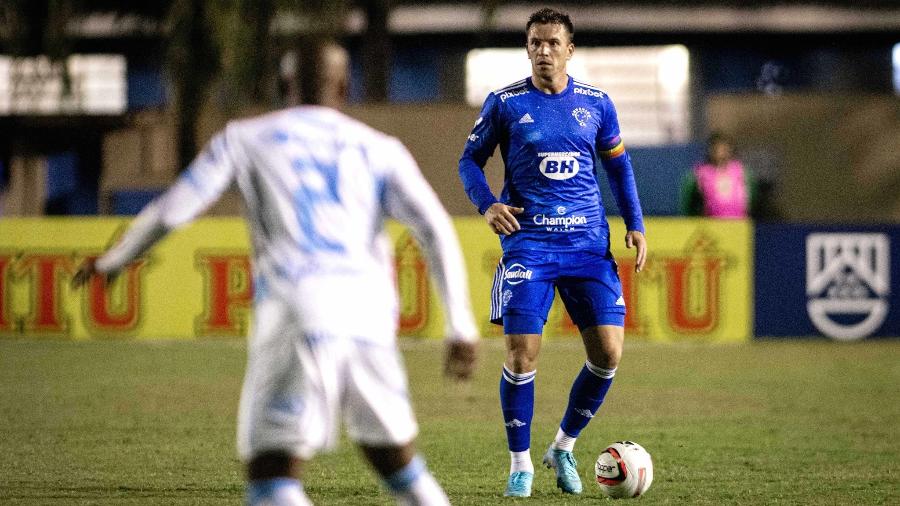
(840, 282)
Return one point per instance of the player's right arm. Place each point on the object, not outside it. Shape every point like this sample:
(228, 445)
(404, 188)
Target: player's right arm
(479, 147)
(204, 181)
(412, 201)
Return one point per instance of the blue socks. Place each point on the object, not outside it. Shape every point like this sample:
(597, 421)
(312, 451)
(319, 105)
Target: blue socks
(517, 403)
(588, 392)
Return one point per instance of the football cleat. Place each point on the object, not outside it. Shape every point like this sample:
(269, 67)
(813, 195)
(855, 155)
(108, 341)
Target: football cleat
(519, 484)
(563, 462)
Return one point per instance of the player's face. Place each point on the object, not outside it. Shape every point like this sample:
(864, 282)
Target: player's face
(549, 49)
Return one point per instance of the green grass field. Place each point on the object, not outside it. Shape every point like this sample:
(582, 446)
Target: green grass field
(139, 423)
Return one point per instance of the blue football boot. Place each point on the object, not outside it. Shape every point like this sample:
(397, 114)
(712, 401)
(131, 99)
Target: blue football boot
(519, 484)
(563, 462)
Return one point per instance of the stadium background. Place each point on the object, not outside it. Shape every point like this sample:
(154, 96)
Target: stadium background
(809, 92)
(127, 394)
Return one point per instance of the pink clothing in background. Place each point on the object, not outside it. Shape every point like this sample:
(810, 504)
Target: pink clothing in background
(725, 192)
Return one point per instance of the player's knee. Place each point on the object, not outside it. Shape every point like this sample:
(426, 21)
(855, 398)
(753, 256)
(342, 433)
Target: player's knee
(522, 353)
(520, 362)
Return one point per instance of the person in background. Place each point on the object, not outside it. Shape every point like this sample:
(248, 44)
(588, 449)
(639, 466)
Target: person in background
(719, 187)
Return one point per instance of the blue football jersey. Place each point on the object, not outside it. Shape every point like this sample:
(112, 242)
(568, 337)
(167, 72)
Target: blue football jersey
(552, 146)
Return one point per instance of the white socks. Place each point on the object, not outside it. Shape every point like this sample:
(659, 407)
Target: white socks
(520, 461)
(563, 441)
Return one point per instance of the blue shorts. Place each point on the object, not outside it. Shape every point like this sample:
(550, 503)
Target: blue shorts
(588, 284)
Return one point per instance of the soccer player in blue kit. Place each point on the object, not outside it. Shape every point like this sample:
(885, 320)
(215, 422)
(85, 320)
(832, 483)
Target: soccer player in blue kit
(552, 130)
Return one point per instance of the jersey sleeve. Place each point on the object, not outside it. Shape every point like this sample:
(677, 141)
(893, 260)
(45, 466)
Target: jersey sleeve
(479, 147)
(409, 199)
(204, 181)
(618, 168)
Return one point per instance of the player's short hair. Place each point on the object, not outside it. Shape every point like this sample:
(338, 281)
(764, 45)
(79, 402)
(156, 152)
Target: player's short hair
(550, 16)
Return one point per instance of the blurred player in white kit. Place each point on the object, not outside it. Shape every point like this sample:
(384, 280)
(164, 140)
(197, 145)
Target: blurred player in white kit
(318, 186)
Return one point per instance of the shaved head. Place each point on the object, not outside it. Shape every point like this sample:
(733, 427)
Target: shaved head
(323, 73)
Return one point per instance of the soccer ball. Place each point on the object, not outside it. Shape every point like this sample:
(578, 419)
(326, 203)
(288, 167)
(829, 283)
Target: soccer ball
(624, 469)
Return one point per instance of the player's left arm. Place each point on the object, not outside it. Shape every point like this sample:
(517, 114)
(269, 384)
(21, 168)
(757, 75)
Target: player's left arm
(620, 174)
(204, 181)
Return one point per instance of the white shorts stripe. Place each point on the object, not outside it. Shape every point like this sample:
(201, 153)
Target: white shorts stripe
(497, 292)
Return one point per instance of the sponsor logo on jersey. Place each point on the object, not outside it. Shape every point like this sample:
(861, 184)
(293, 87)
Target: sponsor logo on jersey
(581, 115)
(559, 165)
(513, 93)
(526, 119)
(516, 274)
(558, 222)
(588, 92)
(847, 275)
(561, 210)
(473, 137)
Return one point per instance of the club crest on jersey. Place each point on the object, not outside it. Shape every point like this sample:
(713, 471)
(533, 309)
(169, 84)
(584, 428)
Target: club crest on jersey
(559, 165)
(516, 274)
(581, 115)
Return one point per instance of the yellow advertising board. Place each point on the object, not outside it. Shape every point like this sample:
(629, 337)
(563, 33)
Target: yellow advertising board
(196, 283)
(696, 286)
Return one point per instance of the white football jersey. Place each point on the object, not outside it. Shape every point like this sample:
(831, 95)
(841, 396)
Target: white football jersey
(318, 186)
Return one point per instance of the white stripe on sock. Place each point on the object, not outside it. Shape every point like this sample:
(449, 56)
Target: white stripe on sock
(599, 371)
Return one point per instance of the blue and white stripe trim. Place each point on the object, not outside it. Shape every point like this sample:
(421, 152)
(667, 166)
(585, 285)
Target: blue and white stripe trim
(497, 292)
(600, 372)
(518, 378)
(588, 86)
(518, 84)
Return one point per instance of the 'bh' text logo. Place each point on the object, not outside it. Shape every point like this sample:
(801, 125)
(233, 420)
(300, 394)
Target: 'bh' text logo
(848, 277)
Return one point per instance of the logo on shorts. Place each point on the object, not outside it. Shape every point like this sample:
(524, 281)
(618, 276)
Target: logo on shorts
(516, 274)
(848, 276)
(581, 115)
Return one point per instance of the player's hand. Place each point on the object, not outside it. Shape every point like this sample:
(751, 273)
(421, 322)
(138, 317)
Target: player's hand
(502, 218)
(636, 239)
(86, 271)
(460, 358)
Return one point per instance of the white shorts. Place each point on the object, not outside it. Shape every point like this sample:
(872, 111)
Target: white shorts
(298, 385)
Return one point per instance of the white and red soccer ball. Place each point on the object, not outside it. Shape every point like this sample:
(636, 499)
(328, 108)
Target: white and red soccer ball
(624, 469)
